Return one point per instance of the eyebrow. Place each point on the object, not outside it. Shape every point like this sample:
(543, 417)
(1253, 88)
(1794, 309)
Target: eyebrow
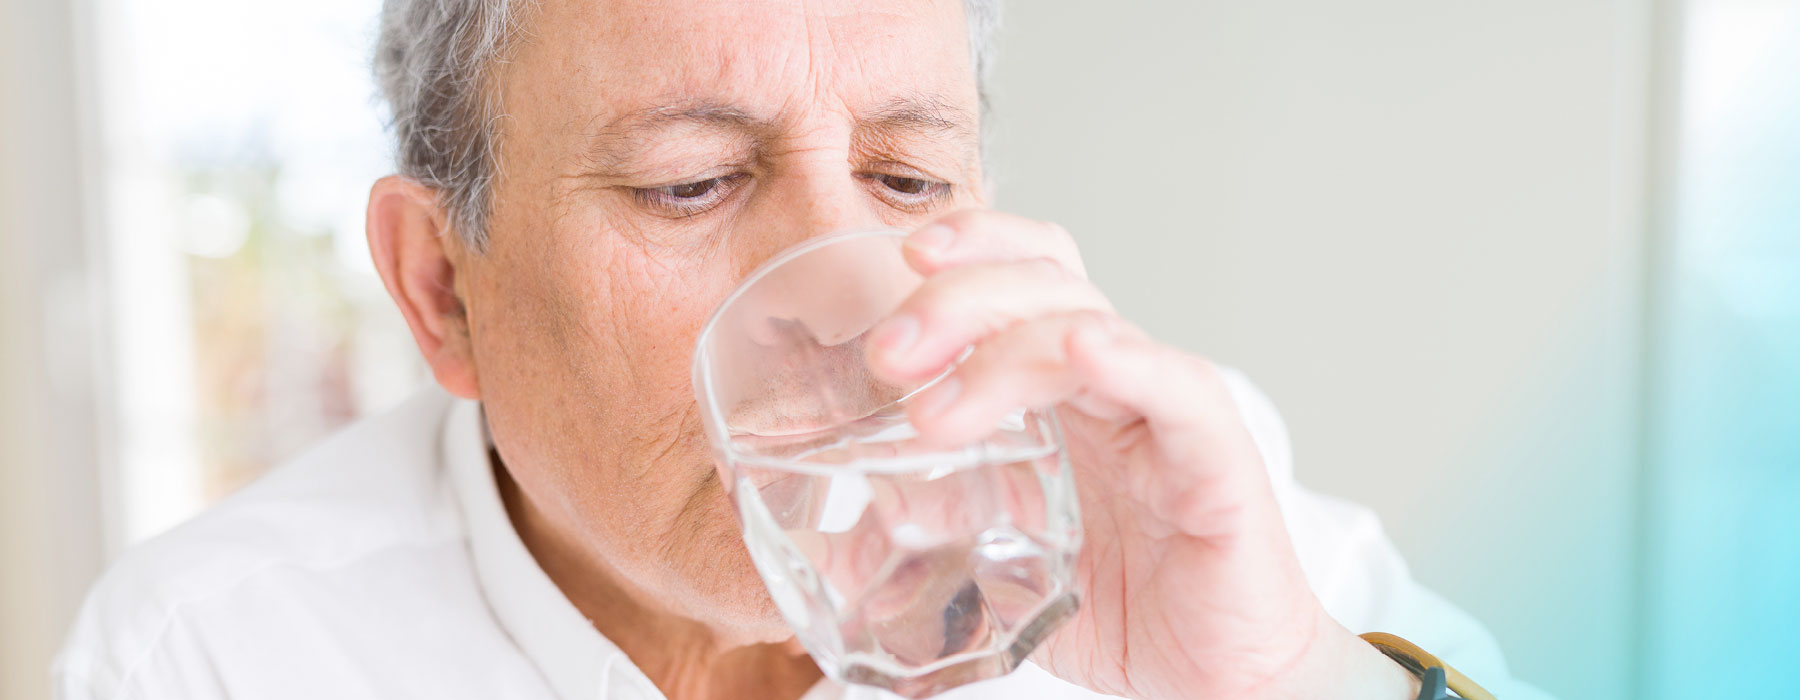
(915, 113)
(921, 113)
(702, 113)
(612, 145)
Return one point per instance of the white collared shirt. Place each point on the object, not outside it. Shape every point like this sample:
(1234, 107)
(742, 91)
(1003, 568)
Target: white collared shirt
(382, 564)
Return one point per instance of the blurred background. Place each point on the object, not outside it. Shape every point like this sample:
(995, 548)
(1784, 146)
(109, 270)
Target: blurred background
(1524, 276)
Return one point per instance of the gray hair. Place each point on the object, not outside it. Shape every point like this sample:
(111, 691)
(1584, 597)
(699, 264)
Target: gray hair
(434, 61)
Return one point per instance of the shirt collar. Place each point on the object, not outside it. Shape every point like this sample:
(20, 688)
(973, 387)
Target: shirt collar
(576, 661)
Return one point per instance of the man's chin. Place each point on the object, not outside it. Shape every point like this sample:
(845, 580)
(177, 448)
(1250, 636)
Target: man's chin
(734, 595)
(720, 576)
(753, 619)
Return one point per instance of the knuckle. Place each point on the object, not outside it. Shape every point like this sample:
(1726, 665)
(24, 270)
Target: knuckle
(927, 304)
(1063, 244)
(1203, 369)
(1096, 319)
(1054, 273)
(949, 302)
(1078, 292)
(1048, 269)
(1079, 322)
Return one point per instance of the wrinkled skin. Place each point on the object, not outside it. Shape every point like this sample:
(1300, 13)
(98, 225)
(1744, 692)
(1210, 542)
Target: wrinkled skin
(650, 155)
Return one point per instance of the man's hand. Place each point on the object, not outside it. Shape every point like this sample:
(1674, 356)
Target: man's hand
(1191, 587)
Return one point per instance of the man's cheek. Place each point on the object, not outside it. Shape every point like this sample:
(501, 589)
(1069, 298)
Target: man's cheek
(663, 309)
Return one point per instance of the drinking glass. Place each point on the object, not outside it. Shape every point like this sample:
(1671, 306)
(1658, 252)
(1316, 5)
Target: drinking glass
(899, 564)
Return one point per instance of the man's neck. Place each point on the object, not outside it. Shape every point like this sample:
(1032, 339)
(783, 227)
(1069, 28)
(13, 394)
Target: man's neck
(684, 658)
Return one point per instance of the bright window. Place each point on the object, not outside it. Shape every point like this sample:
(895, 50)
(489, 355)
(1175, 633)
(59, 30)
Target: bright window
(240, 139)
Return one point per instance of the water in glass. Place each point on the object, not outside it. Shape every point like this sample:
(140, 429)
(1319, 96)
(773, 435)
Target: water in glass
(908, 570)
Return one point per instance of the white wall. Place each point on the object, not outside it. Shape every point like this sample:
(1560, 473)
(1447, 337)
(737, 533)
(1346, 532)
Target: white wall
(1415, 223)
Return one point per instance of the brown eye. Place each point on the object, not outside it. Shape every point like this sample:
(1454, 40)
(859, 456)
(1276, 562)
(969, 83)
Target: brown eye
(692, 190)
(907, 185)
(688, 198)
(912, 194)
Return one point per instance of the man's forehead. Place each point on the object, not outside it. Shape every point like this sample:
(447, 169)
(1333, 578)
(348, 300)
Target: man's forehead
(646, 62)
(712, 16)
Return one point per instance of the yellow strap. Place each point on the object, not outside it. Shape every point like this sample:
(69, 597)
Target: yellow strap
(1398, 648)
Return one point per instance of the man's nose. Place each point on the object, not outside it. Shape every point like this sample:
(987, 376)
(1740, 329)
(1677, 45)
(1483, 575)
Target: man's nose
(830, 295)
(835, 293)
(812, 200)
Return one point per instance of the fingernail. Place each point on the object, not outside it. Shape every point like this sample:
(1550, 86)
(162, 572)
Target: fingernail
(939, 398)
(933, 239)
(895, 335)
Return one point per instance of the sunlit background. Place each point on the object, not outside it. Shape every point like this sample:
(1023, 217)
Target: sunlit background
(1524, 276)
(238, 142)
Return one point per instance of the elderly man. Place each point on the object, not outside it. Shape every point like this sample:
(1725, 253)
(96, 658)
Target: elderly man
(581, 181)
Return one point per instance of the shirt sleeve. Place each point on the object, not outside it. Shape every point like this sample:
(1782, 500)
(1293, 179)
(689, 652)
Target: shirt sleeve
(1356, 571)
(102, 665)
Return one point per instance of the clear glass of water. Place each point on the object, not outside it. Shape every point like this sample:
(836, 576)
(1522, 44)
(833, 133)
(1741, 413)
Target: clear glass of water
(899, 564)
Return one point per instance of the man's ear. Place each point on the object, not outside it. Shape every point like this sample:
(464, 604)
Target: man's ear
(416, 254)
